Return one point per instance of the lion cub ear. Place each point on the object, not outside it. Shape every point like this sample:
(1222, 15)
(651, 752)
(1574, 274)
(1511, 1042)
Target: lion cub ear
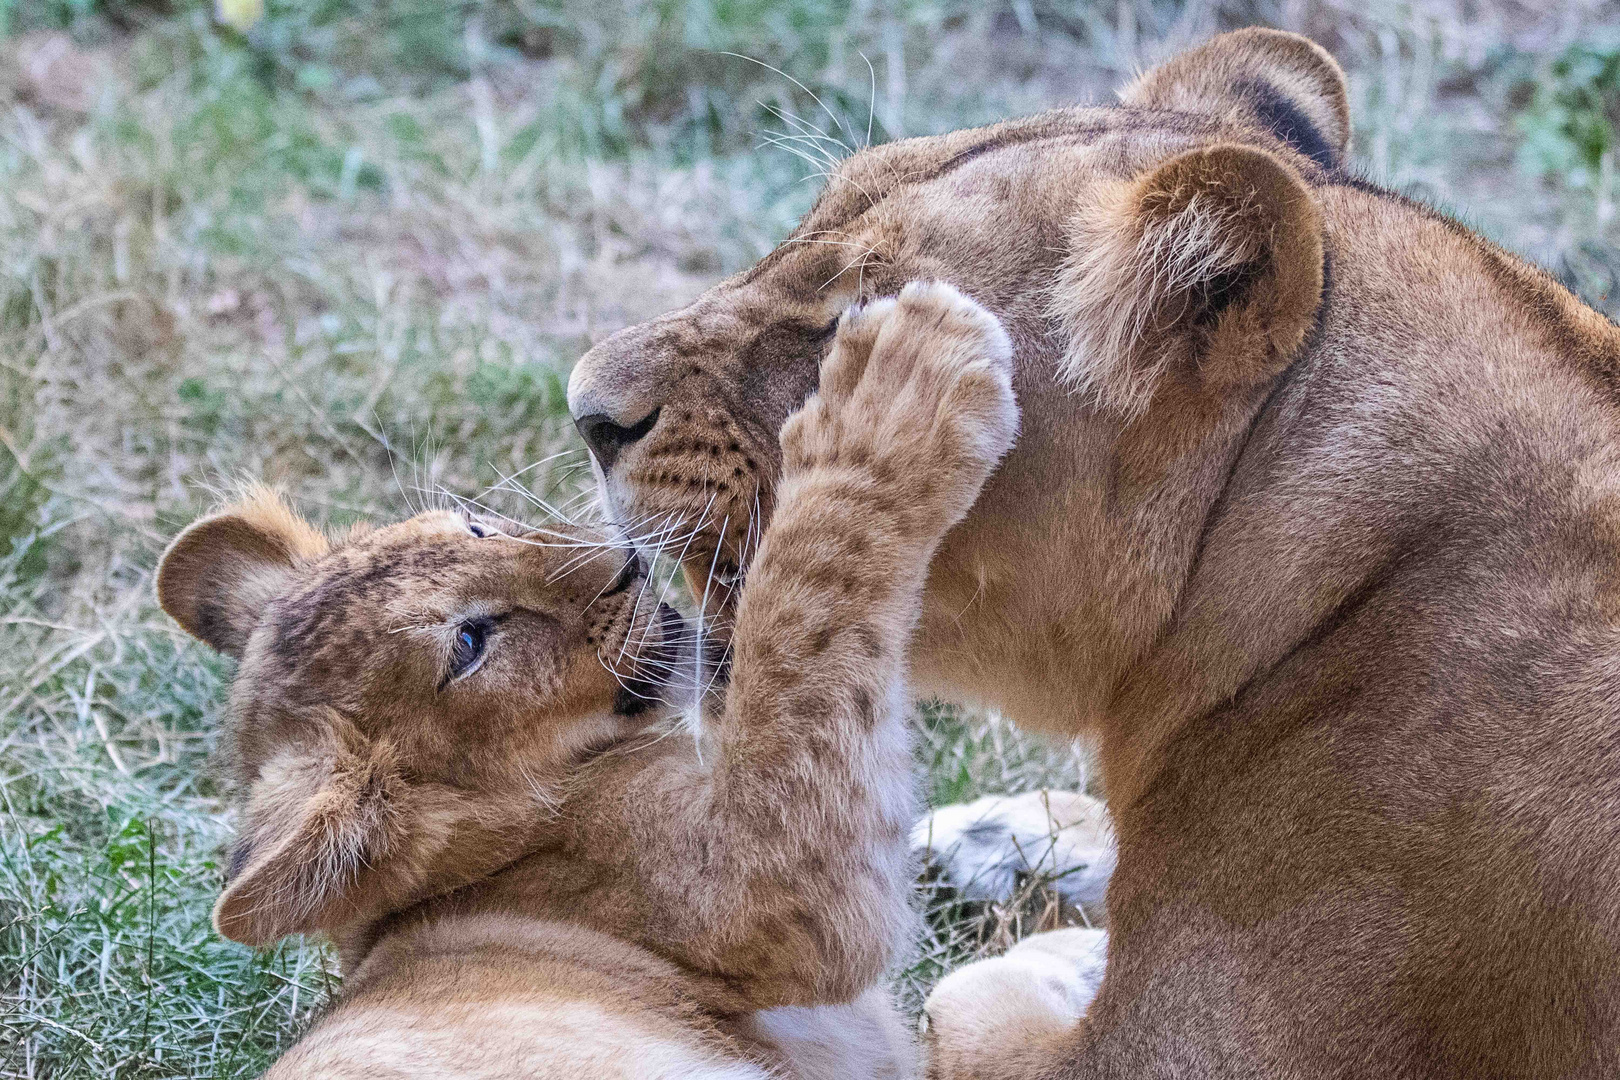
(1285, 83)
(1208, 269)
(219, 573)
(321, 837)
(338, 830)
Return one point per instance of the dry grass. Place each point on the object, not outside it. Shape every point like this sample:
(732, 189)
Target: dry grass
(357, 254)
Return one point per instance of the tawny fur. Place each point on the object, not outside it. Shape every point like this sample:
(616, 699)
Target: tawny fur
(524, 876)
(1024, 1003)
(1334, 592)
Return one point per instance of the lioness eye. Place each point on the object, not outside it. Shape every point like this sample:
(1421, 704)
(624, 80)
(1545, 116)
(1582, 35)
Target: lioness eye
(468, 648)
(477, 530)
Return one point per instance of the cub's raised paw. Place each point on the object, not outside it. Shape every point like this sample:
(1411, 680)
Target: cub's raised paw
(917, 392)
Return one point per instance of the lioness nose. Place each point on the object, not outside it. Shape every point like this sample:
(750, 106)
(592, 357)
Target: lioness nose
(606, 437)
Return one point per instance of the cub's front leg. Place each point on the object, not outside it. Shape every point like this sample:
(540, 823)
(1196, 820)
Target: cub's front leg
(778, 862)
(812, 789)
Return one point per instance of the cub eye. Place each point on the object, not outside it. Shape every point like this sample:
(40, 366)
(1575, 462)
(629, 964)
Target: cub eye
(478, 530)
(467, 650)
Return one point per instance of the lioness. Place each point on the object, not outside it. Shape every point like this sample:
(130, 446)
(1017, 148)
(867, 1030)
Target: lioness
(449, 767)
(1314, 528)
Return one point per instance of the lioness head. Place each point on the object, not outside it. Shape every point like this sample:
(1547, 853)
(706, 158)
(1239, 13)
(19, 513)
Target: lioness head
(1156, 264)
(409, 699)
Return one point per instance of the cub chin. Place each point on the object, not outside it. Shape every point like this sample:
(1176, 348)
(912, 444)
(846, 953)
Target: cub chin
(459, 755)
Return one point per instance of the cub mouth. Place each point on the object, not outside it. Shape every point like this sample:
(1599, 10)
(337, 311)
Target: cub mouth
(659, 672)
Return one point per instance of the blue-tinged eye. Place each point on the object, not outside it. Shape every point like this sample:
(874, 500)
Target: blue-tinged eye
(468, 647)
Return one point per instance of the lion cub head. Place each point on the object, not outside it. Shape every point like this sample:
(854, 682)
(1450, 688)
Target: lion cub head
(410, 699)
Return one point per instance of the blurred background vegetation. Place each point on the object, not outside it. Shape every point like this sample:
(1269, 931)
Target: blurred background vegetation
(354, 248)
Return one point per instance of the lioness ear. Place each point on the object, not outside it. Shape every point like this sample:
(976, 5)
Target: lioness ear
(321, 829)
(1209, 268)
(219, 573)
(1287, 84)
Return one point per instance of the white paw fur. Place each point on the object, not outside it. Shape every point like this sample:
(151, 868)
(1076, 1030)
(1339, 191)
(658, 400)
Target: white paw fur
(987, 848)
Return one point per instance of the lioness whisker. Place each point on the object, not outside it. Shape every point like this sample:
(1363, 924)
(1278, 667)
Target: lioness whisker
(785, 142)
(509, 482)
(833, 243)
(814, 137)
(859, 260)
(871, 100)
(703, 607)
(482, 508)
(778, 71)
(693, 533)
(664, 593)
(584, 559)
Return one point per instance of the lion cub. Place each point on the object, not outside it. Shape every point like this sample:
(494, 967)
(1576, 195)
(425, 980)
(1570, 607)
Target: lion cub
(447, 738)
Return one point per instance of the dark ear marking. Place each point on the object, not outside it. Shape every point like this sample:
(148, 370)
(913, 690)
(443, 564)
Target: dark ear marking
(238, 858)
(1279, 82)
(1227, 289)
(1285, 120)
(212, 623)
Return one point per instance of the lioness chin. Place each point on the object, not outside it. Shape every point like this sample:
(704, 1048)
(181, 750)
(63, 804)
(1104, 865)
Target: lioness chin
(448, 736)
(1314, 530)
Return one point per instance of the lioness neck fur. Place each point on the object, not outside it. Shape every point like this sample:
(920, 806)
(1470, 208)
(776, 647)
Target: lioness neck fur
(445, 772)
(1314, 529)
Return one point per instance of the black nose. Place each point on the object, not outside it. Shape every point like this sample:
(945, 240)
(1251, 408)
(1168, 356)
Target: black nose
(606, 438)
